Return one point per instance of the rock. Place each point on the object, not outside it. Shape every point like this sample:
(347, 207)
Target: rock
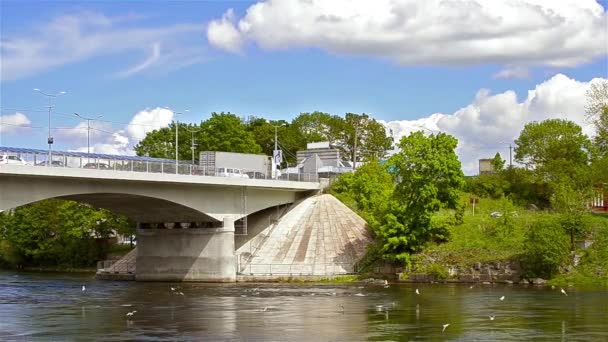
(539, 281)
(524, 281)
(532, 206)
(510, 282)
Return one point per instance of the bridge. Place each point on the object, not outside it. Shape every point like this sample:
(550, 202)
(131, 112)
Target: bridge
(203, 205)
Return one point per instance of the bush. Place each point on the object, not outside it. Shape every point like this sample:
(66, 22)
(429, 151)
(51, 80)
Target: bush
(546, 249)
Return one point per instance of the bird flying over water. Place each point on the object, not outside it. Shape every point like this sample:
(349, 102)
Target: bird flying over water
(502, 298)
(417, 292)
(83, 288)
(492, 318)
(564, 292)
(130, 314)
(445, 327)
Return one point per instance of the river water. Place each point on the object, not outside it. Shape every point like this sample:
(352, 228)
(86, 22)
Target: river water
(54, 307)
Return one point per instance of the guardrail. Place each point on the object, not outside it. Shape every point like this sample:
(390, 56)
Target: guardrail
(164, 167)
(299, 269)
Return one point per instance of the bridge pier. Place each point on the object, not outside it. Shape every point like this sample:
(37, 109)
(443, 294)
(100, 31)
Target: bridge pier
(193, 254)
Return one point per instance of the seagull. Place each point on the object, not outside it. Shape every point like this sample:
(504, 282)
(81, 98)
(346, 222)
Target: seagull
(342, 306)
(180, 293)
(84, 288)
(564, 292)
(359, 295)
(417, 292)
(130, 314)
(172, 288)
(492, 318)
(379, 307)
(502, 298)
(265, 309)
(445, 326)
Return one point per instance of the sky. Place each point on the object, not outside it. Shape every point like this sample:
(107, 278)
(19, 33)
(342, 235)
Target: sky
(476, 69)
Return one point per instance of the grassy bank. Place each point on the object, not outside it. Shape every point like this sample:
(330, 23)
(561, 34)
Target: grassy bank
(483, 238)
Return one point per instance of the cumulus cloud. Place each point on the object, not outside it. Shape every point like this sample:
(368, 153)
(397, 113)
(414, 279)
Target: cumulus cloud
(517, 33)
(12, 122)
(81, 36)
(122, 141)
(493, 121)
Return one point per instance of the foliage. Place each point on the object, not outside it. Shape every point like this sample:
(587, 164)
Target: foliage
(572, 207)
(554, 148)
(221, 132)
(497, 162)
(428, 177)
(290, 139)
(57, 233)
(545, 249)
(372, 140)
(319, 126)
(597, 112)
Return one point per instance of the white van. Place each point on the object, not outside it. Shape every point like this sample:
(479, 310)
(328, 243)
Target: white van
(6, 159)
(230, 172)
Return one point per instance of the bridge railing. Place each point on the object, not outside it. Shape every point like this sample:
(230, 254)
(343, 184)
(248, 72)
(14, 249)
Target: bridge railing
(182, 168)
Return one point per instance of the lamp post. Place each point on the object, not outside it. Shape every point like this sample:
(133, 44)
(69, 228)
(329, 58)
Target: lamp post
(192, 144)
(88, 129)
(50, 138)
(177, 137)
(510, 152)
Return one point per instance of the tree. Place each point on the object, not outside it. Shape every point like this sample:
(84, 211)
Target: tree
(554, 148)
(428, 177)
(497, 162)
(319, 126)
(290, 140)
(226, 132)
(372, 139)
(597, 112)
(573, 209)
(222, 132)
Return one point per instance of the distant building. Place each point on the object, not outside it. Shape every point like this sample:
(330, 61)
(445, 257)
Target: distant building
(320, 158)
(485, 166)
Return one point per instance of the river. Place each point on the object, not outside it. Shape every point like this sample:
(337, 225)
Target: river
(54, 307)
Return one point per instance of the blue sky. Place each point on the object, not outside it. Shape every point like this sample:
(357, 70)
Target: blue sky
(118, 59)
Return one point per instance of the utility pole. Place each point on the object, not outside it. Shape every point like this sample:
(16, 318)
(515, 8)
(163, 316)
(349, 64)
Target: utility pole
(88, 129)
(50, 137)
(510, 155)
(192, 143)
(176, 138)
(355, 149)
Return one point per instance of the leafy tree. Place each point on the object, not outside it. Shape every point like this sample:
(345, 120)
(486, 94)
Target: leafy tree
(545, 249)
(366, 189)
(222, 132)
(572, 206)
(57, 233)
(597, 112)
(497, 162)
(554, 148)
(372, 137)
(319, 126)
(290, 139)
(428, 177)
(226, 132)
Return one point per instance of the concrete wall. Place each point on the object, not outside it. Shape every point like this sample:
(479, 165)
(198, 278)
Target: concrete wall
(186, 254)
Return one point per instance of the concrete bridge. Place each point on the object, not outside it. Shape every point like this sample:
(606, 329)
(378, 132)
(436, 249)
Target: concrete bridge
(207, 206)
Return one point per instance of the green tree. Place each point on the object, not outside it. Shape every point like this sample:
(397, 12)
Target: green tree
(555, 148)
(545, 249)
(372, 138)
(572, 206)
(57, 233)
(319, 126)
(226, 132)
(428, 177)
(290, 140)
(597, 112)
(497, 162)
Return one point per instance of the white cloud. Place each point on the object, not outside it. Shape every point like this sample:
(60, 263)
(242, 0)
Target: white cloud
(517, 33)
(491, 122)
(120, 142)
(12, 122)
(153, 58)
(77, 37)
(222, 33)
(513, 72)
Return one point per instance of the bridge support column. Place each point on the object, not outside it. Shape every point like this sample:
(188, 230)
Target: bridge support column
(195, 254)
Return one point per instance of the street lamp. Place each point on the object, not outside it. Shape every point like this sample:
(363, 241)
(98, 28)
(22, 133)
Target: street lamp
(510, 152)
(176, 137)
(192, 131)
(88, 129)
(50, 138)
